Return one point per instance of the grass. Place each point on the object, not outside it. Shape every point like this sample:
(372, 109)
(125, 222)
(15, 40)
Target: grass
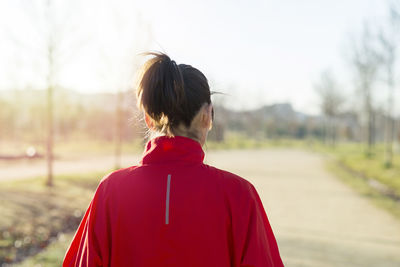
(34, 216)
(350, 163)
(362, 187)
(50, 256)
(353, 157)
(240, 141)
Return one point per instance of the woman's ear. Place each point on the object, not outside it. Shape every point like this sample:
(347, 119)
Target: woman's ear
(211, 115)
(149, 121)
(206, 118)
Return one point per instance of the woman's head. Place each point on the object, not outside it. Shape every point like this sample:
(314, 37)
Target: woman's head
(176, 99)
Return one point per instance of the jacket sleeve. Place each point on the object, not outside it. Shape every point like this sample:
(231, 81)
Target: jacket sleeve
(254, 241)
(90, 245)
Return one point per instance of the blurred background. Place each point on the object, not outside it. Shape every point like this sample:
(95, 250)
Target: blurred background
(307, 108)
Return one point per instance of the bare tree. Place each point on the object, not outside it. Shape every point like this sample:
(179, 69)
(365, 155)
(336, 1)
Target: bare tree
(389, 38)
(51, 46)
(54, 51)
(58, 52)
(365, 61)
(331, 101)
(119, 71)
(45, 53)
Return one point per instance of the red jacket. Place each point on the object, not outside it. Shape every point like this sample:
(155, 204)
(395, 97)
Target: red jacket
(174, 210)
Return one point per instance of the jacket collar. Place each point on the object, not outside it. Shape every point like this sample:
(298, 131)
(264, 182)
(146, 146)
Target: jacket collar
(163, 149)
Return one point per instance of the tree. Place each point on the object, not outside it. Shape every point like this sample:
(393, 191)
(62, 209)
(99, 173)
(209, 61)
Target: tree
(389, 38)
(54, 52)
(55, 35)
(365, 61)
(134, 36)
(331, 101)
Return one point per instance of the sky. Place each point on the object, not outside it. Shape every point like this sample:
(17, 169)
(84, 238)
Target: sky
(256, 52)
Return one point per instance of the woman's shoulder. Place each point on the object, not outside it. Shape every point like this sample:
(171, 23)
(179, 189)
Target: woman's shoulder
(229, 179)
(116, 177)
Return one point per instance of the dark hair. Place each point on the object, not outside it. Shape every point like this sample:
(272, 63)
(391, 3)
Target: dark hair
(171, 94)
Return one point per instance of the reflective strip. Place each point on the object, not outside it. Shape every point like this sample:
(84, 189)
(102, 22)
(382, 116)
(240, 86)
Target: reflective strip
(167, 201)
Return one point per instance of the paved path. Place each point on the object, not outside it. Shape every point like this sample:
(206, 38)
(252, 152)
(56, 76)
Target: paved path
(318, 220)
(33, 168)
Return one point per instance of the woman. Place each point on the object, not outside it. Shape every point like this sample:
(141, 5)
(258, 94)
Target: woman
(172, 209)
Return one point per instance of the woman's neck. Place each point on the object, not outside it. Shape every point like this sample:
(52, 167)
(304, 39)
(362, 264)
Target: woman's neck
(182, 131)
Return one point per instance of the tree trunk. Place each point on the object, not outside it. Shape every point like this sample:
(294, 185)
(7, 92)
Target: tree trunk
(50, 124)
(49, 143)
(370, 120)
(389, 125)
(333, 123)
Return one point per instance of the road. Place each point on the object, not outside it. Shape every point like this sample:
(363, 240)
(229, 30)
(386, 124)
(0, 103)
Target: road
(25, 169)
(317, 220)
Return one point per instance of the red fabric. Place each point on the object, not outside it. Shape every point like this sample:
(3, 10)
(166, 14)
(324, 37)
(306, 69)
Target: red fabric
(216, 218)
